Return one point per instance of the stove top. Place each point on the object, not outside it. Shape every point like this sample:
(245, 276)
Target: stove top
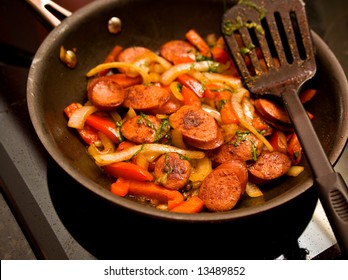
(66, 221)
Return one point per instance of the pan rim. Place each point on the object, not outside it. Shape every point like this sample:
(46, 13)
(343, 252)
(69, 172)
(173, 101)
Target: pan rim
(52, 149)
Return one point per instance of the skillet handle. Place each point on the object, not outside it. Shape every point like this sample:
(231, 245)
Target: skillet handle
(333, 194)
(331, 188)
(49, 11)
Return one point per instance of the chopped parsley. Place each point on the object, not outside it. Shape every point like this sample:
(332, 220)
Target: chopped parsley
(247, 49)
(163, 130)
(253, 150)
(241, 136)
(144, 120)
(118, 128)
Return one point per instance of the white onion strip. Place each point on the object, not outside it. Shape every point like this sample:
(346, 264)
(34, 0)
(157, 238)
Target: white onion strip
(203, 66)
(124, 65)
(78, 118)
(127, 154)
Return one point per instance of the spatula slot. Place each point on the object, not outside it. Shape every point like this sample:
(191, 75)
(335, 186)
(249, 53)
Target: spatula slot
(298, 36)
(268, 47)
(287, 46)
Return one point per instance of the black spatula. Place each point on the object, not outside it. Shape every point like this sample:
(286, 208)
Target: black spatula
(279, 28)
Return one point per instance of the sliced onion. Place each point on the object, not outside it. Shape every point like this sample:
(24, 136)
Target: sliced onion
(148, 57)
(177, 139)
(248, 109)
(123, 65)
(253, 190)
(127, 154)
(295, 170)
(202, 167)
(213, 112)
(254, 131)
(233, 82)
(203, 66)
(236, 100)
(78, 118)
(142, 161)
(172, 73)
(107, 146)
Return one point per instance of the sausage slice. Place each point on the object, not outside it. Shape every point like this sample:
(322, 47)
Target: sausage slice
(105, 93)
(175, 49)
(269, 166)
(145, 97)
(130, 54)
(141, 129)
(274, 114)
(221, 190)
(194, 124)
(239, 168)
(209, 145)
(244, 146)
(172, 172)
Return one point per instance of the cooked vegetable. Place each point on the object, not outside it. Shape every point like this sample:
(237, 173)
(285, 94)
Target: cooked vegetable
(114, 25)
(192, 205)
(122, 65)
(128, 170)
(78, 118)
(127, 154)
(148, 190)
(68, 57)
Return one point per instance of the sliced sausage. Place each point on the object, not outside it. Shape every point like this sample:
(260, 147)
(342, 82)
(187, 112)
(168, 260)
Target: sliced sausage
(141, 129)
(274, 114)
(126, 81)
(244, 146)
(221, 190)
(170, 107)
(105, 93)
(145, 97)
(130, 54)
(175, 49)
(172, 172)
(195, 124)
(209, 145)
(239, 168)
(269, 166)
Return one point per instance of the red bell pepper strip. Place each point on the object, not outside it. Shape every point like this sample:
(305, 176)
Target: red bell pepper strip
(128, 170)
(278, 141)
(294, 149)
(219, 51)
(105, 126)
(192, 205)
(228, 115)
(184, 58)
(119, 188)
(195, 39)
(307, 95)
(220, 55)
(190, 98)
(111, 57)
(192, 83)
(149, 190)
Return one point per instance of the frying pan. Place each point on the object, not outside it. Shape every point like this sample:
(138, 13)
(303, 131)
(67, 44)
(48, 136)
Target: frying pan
(52, 86)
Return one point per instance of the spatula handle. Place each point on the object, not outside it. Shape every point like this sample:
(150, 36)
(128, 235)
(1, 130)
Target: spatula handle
(332, 190)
